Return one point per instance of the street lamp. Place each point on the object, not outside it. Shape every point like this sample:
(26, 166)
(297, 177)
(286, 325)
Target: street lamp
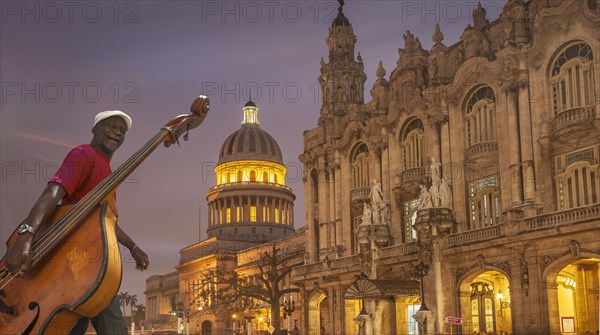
(421, 270)
(288, 308)
(503, 304)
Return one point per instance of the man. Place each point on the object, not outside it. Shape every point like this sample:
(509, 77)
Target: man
(84, 167)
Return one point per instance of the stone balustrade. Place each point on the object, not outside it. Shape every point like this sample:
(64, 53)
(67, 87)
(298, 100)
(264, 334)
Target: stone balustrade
(573, 116)
(481, 148)
(359, 195)
(413, 175)
(474, 236)
(568, 217)
(398, 250)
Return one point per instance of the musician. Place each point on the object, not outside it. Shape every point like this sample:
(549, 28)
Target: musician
(84, 167)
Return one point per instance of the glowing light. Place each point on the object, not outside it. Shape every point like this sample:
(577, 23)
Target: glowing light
(250, 171)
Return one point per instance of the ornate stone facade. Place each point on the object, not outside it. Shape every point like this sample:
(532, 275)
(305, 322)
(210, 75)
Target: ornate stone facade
(468, 186)
(487, 152)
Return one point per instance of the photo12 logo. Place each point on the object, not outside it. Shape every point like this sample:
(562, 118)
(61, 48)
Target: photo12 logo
(69, 91)
(272, 91)
(24, 12)
(268, 11)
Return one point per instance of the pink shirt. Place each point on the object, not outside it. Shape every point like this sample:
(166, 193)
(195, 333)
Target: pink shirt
(82, 170)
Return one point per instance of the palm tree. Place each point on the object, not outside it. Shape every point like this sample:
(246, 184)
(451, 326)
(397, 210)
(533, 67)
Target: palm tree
(132, 302)
(140, 312)
(124, 299)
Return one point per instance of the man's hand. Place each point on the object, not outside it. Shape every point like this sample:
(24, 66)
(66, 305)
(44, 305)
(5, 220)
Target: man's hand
(140, 257)
(18, 258)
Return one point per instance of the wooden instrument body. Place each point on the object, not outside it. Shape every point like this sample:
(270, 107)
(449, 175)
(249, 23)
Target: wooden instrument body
(78, 278)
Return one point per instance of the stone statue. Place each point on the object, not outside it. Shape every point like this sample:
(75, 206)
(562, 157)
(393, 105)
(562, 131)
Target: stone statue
(377, 203)
(425, 198)
(385, 214)
(445, 194)
(434, 170)
(376, 194)
(434, 191)
(367, 213)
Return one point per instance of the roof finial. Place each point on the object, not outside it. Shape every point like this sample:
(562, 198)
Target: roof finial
(341, 2)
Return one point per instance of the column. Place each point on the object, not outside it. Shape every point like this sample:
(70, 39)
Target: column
(331, 212)
(339, 237)
(323, 233)
(526, 142)
(513, 145)
(309, 214)
(385, 172)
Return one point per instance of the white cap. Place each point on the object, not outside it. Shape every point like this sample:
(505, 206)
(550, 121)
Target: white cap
(106, 114)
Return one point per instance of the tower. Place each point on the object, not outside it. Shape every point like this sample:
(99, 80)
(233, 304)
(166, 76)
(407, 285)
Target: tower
(342, 78)
(250, 199)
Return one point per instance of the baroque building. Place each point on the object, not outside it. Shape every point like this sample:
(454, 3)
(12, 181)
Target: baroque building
(462, 196)
(470, 180)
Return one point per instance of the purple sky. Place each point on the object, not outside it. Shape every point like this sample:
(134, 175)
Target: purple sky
(62, 63)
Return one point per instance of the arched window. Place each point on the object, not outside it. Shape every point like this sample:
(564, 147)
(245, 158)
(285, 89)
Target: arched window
(360, 167)
(480, 117)
(577, 178)
(228, 177)
(252, 175)
(484, 202)
(265, 177)
(239, 176)
(412, 144)
(572, 78)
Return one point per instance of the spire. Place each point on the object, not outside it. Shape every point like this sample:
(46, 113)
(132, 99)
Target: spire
(380, 71)
(438, 36)
(250, 113)
(340, 20)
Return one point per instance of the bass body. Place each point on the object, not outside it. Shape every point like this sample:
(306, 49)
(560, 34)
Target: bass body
(79, 277)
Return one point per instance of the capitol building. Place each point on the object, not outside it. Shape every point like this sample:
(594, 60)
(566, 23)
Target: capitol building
(460, 196)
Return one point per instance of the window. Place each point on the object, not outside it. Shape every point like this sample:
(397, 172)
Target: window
(412, 144)
(239, 176)
(410, 217)
(484, 202)
(482, 307)
(265, 177)
(228, 215)
(413, 326)
(252, 213)
(572, 78)
(360, 167)
(276, 215)
(480, 117)
(252, 175)
(577, 180)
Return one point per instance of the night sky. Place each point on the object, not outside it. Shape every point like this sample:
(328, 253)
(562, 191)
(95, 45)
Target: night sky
(63, 62)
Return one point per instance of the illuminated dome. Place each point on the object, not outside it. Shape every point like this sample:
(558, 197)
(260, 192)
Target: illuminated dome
(250, 200)
(250, 143)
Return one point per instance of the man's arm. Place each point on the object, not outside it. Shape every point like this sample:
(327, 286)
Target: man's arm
(140, 257)
(18, 258)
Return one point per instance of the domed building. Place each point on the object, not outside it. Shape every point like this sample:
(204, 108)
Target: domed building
(250, 199)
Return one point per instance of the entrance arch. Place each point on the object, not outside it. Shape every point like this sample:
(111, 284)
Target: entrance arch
(318, 314)
(485, 302)
(572, 292)
(206, 328)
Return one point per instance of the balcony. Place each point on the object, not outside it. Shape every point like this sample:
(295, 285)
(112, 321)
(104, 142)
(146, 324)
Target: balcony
(474, 236)
(413, 176)
(480, 149)
(567, 217)
(359, 195)
(573, 117)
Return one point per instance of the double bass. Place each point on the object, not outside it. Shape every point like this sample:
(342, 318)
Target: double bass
(76, 267)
